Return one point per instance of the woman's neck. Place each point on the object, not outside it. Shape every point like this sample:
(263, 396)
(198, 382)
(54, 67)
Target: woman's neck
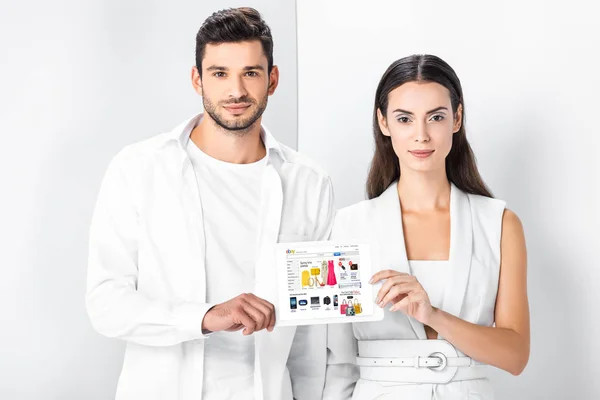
(423, 191)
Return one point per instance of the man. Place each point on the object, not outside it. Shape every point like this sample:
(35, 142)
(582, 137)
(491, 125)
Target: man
(182, 240)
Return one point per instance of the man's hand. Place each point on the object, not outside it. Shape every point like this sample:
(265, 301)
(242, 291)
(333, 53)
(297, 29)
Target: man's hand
(244, 311)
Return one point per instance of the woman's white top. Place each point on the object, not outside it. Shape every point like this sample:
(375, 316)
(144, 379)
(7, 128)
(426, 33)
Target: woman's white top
(433, 276)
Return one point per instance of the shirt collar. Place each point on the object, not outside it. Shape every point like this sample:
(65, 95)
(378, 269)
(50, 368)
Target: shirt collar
(181, 135)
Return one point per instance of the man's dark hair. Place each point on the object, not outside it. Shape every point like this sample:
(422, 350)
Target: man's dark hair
(234, 25)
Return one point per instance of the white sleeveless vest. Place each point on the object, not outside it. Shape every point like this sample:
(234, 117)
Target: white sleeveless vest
(471, 287)
(475, 232)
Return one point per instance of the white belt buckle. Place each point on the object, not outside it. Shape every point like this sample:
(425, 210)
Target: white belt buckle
(443, 361)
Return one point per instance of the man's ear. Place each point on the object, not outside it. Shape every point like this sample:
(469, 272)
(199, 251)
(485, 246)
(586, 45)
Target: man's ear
(273, 80)
(457, 119)
(196, 80)
(382, 123)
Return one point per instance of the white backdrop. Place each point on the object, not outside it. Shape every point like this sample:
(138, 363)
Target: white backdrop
(529, 71)
(78, 81)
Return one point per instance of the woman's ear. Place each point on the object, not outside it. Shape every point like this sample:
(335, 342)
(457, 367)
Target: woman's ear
(382, 123)
(457, 119)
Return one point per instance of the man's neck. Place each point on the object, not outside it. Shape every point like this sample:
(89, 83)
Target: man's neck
(228, 146)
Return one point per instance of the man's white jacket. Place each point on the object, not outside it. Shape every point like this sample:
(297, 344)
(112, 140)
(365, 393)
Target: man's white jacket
(146, 271)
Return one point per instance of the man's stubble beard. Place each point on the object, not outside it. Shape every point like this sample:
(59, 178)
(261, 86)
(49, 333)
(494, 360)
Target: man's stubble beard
(237, 127)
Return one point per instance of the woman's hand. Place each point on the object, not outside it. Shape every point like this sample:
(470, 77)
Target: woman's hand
(405, 293)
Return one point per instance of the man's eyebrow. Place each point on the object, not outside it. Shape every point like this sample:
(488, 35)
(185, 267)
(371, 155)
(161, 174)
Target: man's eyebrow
(248, 68)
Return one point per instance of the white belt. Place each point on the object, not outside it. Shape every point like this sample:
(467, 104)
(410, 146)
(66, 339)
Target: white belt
(415, 361)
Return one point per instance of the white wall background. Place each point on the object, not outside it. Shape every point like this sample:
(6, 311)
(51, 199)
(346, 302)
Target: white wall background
(78, 81)
(529, 71)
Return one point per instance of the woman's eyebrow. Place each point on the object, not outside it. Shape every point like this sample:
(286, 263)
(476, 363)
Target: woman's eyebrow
(428, 112)
(437, 109)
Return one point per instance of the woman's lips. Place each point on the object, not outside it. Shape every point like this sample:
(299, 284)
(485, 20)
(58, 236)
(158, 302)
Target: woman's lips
(421, 153)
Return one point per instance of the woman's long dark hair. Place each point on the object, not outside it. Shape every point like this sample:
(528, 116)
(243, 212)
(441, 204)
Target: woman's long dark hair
(461, 168)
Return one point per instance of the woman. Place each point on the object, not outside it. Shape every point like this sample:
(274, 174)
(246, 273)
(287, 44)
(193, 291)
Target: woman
(450, 261)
